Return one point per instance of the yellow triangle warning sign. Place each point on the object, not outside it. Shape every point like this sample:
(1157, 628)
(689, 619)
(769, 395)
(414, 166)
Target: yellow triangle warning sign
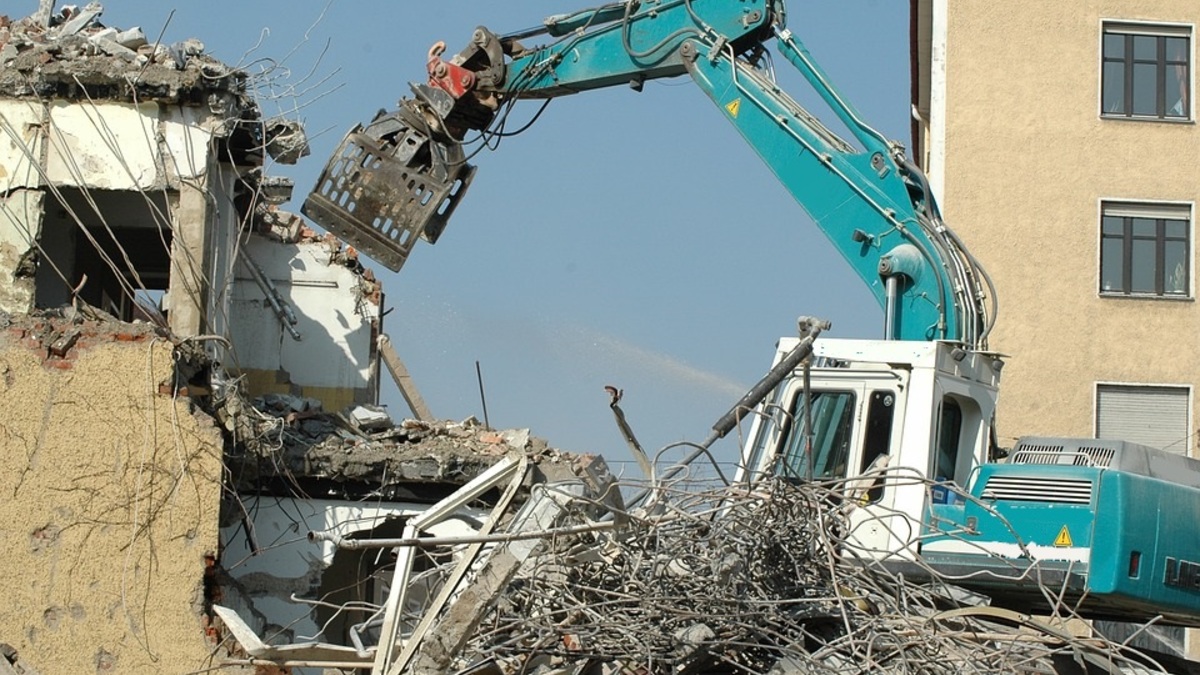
(1063, 539)
(734, 106)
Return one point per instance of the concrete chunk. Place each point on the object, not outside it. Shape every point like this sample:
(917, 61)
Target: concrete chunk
(370, 418)
(286, 140)
(44, 11)
(108, 45)
(131, 38)
(81, 19)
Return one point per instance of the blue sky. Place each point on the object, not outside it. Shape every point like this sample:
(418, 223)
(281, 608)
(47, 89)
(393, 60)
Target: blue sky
(625, 239)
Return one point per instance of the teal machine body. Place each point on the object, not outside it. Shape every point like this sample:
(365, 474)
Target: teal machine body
(1112, 524)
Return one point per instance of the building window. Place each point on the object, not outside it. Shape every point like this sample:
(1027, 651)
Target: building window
(1153, 416)
(1146, 71)
(1145, 249)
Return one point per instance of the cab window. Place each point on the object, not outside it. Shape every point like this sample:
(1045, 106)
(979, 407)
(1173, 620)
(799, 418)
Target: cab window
(877, 438)
(948, 440)
(832, 422)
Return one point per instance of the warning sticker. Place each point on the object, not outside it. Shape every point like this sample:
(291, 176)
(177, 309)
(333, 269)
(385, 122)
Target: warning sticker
(1064, 538)
(734, 106)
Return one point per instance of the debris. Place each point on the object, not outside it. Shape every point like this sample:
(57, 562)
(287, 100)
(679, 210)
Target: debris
(80, 19)
(41, 17)
(403, 379)
(370, 418)
(58, 53)
(27, 264)
(110, 46)
(63, 343)
(517, 439)
(276, 190)
(772, 582)
(132, 38)
(286, 141)
(290, 438)
(716, 578)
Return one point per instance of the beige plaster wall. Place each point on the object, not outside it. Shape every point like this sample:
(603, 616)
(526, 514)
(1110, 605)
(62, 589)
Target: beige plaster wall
(108, 505)
(1028, 160)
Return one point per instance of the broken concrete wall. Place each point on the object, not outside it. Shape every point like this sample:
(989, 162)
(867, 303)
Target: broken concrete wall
(337, 311)
(262, 571)
(104, 145)
(20, 226)
(108, 522)
(77, 155)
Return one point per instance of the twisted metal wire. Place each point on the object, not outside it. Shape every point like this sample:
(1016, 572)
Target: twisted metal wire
(730, 579)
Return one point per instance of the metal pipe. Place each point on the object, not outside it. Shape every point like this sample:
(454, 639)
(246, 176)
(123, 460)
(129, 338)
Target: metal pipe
(765, 386)
(809, 435)
(891, 293)
(280, 306)
(430, 542)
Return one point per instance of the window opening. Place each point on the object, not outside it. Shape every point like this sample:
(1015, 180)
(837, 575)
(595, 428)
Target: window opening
(125, 256)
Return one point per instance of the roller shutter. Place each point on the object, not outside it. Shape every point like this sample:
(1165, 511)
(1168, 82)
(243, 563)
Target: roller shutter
(1154, 416)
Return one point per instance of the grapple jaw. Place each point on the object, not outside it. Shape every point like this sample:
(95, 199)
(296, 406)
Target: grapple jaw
(392, 181)
(401, 176)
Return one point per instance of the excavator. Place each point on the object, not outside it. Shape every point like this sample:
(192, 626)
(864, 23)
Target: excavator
(1109, 524)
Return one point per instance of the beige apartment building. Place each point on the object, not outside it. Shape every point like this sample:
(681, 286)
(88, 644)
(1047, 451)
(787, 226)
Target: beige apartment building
(1062, 139)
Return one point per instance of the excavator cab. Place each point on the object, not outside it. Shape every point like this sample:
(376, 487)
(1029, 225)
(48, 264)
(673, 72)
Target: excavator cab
(871, 410)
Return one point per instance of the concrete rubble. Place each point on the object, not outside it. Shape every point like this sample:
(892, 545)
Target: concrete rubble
(58, 54)
(289, 440)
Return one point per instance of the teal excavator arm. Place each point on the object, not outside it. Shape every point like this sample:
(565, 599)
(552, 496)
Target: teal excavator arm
(869, 200)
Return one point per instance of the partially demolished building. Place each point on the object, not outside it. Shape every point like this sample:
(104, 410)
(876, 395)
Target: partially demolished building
(187, 374)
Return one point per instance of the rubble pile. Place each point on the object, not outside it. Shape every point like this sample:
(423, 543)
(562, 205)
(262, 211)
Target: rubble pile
(61, 53)
(284, 437)
(58, 334)
(731, 580)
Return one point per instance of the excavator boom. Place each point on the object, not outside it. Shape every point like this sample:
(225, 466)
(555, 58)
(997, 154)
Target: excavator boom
(401, 176)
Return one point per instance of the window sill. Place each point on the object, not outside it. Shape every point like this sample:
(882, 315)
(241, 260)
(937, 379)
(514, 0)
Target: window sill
(1109, 295)
(1144, 118)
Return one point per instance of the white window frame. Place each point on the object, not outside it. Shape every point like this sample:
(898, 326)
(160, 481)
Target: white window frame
(1155, 28)
(1189, 451)
(1149, 205)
